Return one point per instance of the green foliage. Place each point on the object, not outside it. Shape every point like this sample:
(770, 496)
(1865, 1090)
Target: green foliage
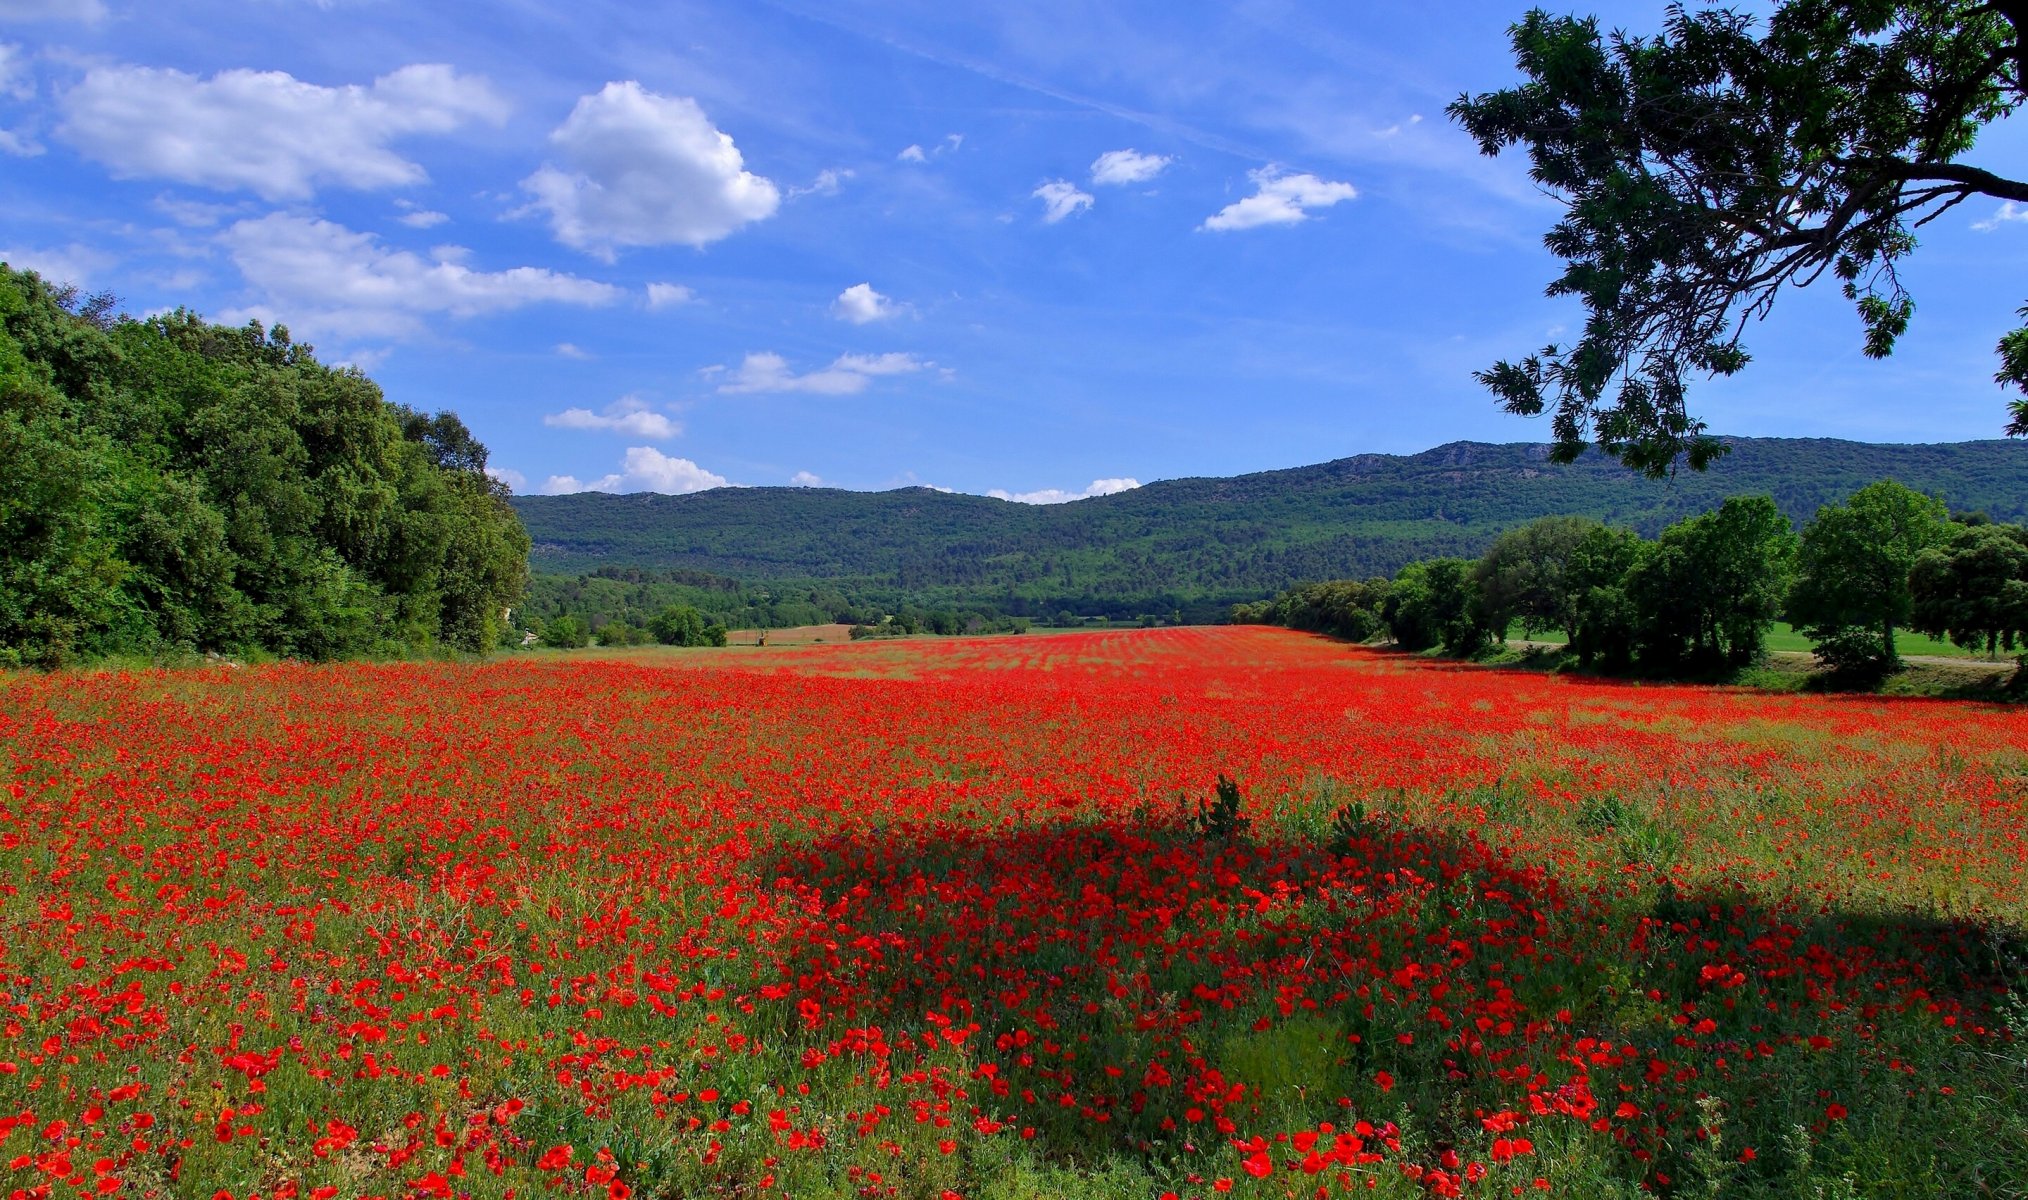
(1705, 169)
(1710, 589)
(1435, 603)
(1853, 570)
(1603, 622)
(770, 557)
(619, 633)
(173, 485)
(1973, 588)
(1522, 575)
(1221, 818)
(566, 632)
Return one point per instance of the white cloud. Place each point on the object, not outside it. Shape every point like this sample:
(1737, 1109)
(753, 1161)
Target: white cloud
(2008, 211)
(861, 305)
(949, 145)
(14, 74)
(422, 218)
(1060, 199)
(88, 11)
(669, 295)
(1099, 487)
(319, 276)
(195, 214)
(20, 145)
(805, 479)
(1395, 129)
(267, 131)
(629, 415)
(826, 183)
(573, 350)
(645, 170)
(515, 480)
(848, 375)
(74, 263)
(1119, 167)
(645, 469)
(1278, 199)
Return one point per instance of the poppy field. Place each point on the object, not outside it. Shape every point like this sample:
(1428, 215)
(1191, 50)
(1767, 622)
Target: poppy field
(962, 918)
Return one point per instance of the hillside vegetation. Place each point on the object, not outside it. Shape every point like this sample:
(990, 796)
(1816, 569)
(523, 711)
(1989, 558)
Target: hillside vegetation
(172, 485)
(1195, 544)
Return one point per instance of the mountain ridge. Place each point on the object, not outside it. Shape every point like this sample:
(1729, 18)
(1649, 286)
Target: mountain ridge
(1204, 540)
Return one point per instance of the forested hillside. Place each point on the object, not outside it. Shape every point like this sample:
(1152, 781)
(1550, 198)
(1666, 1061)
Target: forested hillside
(169, 484)
(1193, 543)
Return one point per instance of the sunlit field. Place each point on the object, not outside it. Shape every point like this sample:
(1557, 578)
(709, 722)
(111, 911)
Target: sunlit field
(925, 919)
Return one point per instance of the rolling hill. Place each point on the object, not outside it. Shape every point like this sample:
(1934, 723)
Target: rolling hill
(1198, 543)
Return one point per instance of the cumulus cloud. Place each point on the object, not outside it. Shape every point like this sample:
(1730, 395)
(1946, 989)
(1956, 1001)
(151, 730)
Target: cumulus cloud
(88, 11)
(422, 218)
(75, 263)
(1099, 487)
(515, 480)
(645, 469)
(1118, 167)
(2008, 211)
(629, 415)
(1061, 198)
(1278, 199)
(266, 131)
(641, 169)
(912, 153)
(573, 350)
(320, 276)
(861, 305)
(668, 295)
(805, 479)
(848, 375)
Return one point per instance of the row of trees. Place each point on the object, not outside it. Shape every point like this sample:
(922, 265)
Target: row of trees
(168, 484)
(1704, 594)
(674, 625)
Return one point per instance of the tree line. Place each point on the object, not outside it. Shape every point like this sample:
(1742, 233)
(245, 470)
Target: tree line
(173, 485)
(1704, 594)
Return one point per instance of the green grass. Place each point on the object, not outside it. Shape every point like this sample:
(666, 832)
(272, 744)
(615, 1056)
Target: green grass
(1786, 637)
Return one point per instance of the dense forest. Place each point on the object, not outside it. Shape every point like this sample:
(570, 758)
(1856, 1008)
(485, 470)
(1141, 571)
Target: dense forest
(176, 485)
(1200, 545)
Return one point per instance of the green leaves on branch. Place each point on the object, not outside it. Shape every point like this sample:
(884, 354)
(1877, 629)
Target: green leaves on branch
(1705, 169)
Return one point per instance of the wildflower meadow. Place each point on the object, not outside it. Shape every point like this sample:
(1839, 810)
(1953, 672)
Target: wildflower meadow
(1183, 912)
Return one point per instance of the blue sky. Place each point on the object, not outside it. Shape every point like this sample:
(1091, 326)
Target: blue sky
(1038, 250)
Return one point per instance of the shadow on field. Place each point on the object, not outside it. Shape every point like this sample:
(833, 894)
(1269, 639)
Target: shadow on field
(1138, 988)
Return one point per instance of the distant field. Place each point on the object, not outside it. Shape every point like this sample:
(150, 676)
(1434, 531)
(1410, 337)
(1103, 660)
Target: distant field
(944, 917)
(800, 635)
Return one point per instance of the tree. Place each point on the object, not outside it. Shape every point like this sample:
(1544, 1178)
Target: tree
(170, 484)
(1973, 588)
(678, 625)
(566, 632)
(1521, 575)
(1853, 567)
(1603, 625)
(1709, 590)
(1433, 603)
(1705, 169)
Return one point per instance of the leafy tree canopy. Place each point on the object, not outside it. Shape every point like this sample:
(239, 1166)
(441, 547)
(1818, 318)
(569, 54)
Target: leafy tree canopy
(1705, 169)
(1855, 559)
(170, 484)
